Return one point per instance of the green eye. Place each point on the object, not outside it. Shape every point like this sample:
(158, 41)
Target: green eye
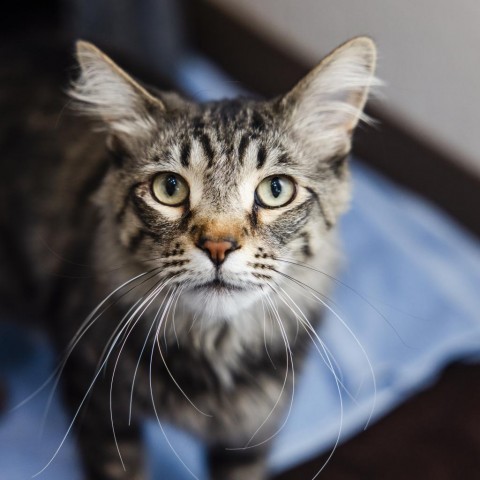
(275, 191)
(170, 189)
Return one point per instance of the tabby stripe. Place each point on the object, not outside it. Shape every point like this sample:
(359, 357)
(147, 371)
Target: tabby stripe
(118, 152)
(253, 217)
(284, 159)
(146, 214)
(261, 156)
(221, 336)
(244, 141)
(121, 213)
(207, 148)
(118, 158)
(314, 194)
(286, 228)
(306, 250)
(258, 123)
(337, 163)
(135, 241)
(224, 461)
(186, 219)
(198, 125)
(185, 154)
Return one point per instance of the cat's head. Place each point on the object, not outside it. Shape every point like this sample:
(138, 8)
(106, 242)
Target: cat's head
(220, 197)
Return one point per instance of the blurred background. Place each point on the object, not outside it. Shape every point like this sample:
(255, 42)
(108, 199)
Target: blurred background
(428, 109)
(411, 238)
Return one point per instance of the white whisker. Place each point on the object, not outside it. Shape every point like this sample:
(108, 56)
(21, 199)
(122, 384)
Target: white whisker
(289, 361)
(144, 305)
(314, 293)
(165, 316)
(141, 354)
(82, 403)
(173, 314)
(155, 342)
(351, 289)
(84, 328)
(265, 334)
(306, 324)
(326, 355)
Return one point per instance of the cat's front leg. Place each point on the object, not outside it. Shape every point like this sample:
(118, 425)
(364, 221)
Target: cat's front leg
(247, 464)
(101, 459)
(110, 442)
(101, 449)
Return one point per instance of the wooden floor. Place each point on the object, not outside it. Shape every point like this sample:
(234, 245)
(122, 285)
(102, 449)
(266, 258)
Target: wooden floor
(435, 435)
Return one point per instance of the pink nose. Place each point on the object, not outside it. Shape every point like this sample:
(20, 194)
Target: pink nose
(217, 250)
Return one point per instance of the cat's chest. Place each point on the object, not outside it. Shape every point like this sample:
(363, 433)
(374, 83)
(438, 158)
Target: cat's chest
(219, 367)
(212, 392)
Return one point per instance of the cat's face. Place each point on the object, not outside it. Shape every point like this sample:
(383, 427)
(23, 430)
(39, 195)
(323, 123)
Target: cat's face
(219, 198)
(215, 197)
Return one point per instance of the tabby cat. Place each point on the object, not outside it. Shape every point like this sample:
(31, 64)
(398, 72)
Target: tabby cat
(176, 249)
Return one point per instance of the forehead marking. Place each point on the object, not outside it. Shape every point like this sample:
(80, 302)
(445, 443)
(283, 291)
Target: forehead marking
(258, 123)
(185, 154)
(242, 146)
(261, 156)
(207, 148)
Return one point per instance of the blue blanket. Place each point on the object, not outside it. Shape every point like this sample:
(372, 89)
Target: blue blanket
(405, 304)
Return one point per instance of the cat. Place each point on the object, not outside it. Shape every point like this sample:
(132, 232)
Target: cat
(180, 250)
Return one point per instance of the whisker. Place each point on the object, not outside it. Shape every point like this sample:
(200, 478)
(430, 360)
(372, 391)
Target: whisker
(81, 404)
(289, 361)
(86, 325)
(92, 317)
(314, 293)
(355, 292)
(155, 342)
(265, 334)
(330, 367)
(338, 368)
(174, 300)
(145, 305)
(94, 267)
(141, 354)
(327, 356)
(173, 314)
(169, 371)
(147, 293)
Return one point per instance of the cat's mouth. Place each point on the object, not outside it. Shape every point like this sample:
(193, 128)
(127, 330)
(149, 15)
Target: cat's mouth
(219, 285)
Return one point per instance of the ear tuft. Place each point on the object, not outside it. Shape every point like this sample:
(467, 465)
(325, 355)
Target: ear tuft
(326, 105)
(105, 92)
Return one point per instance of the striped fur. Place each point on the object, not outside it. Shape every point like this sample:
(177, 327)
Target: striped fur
(202, 344)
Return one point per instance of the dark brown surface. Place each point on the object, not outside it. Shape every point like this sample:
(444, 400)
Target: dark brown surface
(435, 435)
(391, 147)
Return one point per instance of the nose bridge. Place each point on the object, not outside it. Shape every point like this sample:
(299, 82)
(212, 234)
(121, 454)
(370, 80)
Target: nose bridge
(219, 237)
(222, 228)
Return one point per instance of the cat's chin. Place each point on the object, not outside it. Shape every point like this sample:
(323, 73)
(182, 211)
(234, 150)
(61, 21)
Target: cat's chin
(219, 300)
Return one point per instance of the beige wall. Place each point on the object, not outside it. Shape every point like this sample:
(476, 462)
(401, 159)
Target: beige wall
(429, 56)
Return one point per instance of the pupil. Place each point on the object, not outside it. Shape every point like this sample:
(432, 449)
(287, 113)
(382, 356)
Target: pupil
(171, 185)
(276, 187)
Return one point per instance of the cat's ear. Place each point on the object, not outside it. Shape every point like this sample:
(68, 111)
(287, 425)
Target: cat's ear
(323, 109)
(105, 92)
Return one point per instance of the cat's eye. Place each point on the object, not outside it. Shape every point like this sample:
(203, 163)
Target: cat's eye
(170, 189)
(275, 191)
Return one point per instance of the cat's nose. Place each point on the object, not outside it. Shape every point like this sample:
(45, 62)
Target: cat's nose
(217, 250)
